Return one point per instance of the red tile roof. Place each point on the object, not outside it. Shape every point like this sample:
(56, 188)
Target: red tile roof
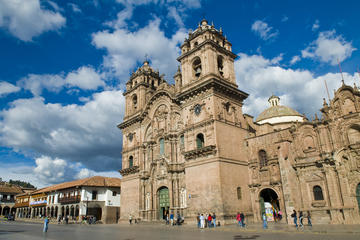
(96, 181)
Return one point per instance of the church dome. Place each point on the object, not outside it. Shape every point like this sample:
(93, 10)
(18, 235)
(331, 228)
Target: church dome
(278, 114)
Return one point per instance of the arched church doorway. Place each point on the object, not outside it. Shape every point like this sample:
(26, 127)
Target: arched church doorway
(358, 195)
(163, 202)
(269, 204)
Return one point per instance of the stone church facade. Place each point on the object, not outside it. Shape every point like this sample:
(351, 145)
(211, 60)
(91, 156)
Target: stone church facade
(189, 148)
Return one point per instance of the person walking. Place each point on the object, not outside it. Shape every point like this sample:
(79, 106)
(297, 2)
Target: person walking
(130, 219)
(293, 215)
(202, 221)
(238, 219)
(46, 224)
(209, 219)
(214, 219)
(301, 216)
(242, 219)
(167, 219)
(265, 225)
(198, 220)
(172, 219)
(309, 218)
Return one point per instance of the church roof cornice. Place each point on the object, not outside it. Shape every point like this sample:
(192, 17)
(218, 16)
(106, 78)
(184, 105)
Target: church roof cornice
(212, 43)
(218, 86)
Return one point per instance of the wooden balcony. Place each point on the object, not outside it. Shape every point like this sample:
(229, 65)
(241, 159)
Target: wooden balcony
(69, 200)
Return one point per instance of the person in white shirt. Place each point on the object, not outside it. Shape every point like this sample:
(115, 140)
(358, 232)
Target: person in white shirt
(202, 221)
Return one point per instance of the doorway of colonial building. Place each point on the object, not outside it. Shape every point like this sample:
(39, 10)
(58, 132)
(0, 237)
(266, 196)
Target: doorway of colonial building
(164, 202)
(358, 195)
(95, 211)
(269, 203)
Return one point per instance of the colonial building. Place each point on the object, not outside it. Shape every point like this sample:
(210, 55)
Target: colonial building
(22, 205)
(189, 148)
(94, 196)
(7, 197)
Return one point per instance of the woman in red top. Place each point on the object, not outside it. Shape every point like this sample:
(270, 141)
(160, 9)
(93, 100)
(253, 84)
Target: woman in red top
(209, 220)
(238, 218)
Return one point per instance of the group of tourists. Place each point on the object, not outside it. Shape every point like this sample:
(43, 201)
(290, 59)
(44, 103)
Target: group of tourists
(240, 218)
(174, 220)
(301, 218)
(206, 220)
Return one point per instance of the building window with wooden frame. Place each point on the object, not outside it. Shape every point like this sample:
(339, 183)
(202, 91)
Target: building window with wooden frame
(263, 158)
(238, 192)
(318, 194)
(94, 195)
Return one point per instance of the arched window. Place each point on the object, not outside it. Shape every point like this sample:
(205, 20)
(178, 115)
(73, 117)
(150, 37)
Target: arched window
(182, 141)
(197, 67)
(238, 191)
(263, 158)
(200, 141)
(162, 146)
(131, 161)
(318, 194)
(134, 100)
(220, 63)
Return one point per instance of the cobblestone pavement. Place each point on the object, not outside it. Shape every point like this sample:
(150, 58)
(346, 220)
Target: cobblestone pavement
(33, 231)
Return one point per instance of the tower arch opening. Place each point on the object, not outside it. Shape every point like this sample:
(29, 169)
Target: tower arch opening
(269, 203)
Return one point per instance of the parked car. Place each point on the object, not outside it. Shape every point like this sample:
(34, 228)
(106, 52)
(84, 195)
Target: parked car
(10, 217)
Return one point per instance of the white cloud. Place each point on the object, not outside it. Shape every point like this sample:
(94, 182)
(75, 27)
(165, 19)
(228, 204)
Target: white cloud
(285, 18)
(52, 170)
(262, 29)
(84, 77)
(176, 10)
(316, 25)
(125, 49)
(75, 8)
(7, 88)
(329, 48)
(85, 134)
(27, 19)
(295, 59)
(299, 89)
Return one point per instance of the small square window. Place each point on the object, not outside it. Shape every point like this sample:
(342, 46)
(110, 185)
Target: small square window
(114, 193)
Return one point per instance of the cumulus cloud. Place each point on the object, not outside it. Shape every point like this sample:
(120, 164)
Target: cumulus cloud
(126, 49)
(85, 77)
(329, 48)
(177, 10)
(299, 89)
(263, 30)
(316, 25)
(85, 134)
(295, 59)
(27, 19)
(7, 88)
(51, 170)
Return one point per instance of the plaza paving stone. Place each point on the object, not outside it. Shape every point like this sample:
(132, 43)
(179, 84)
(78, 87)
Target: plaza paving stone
(32, 231)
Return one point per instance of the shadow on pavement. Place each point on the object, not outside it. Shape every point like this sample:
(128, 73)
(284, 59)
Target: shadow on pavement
(10, 231)
(238, 237)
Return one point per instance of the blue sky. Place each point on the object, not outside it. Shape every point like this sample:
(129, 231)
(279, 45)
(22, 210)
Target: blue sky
(64, 65)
